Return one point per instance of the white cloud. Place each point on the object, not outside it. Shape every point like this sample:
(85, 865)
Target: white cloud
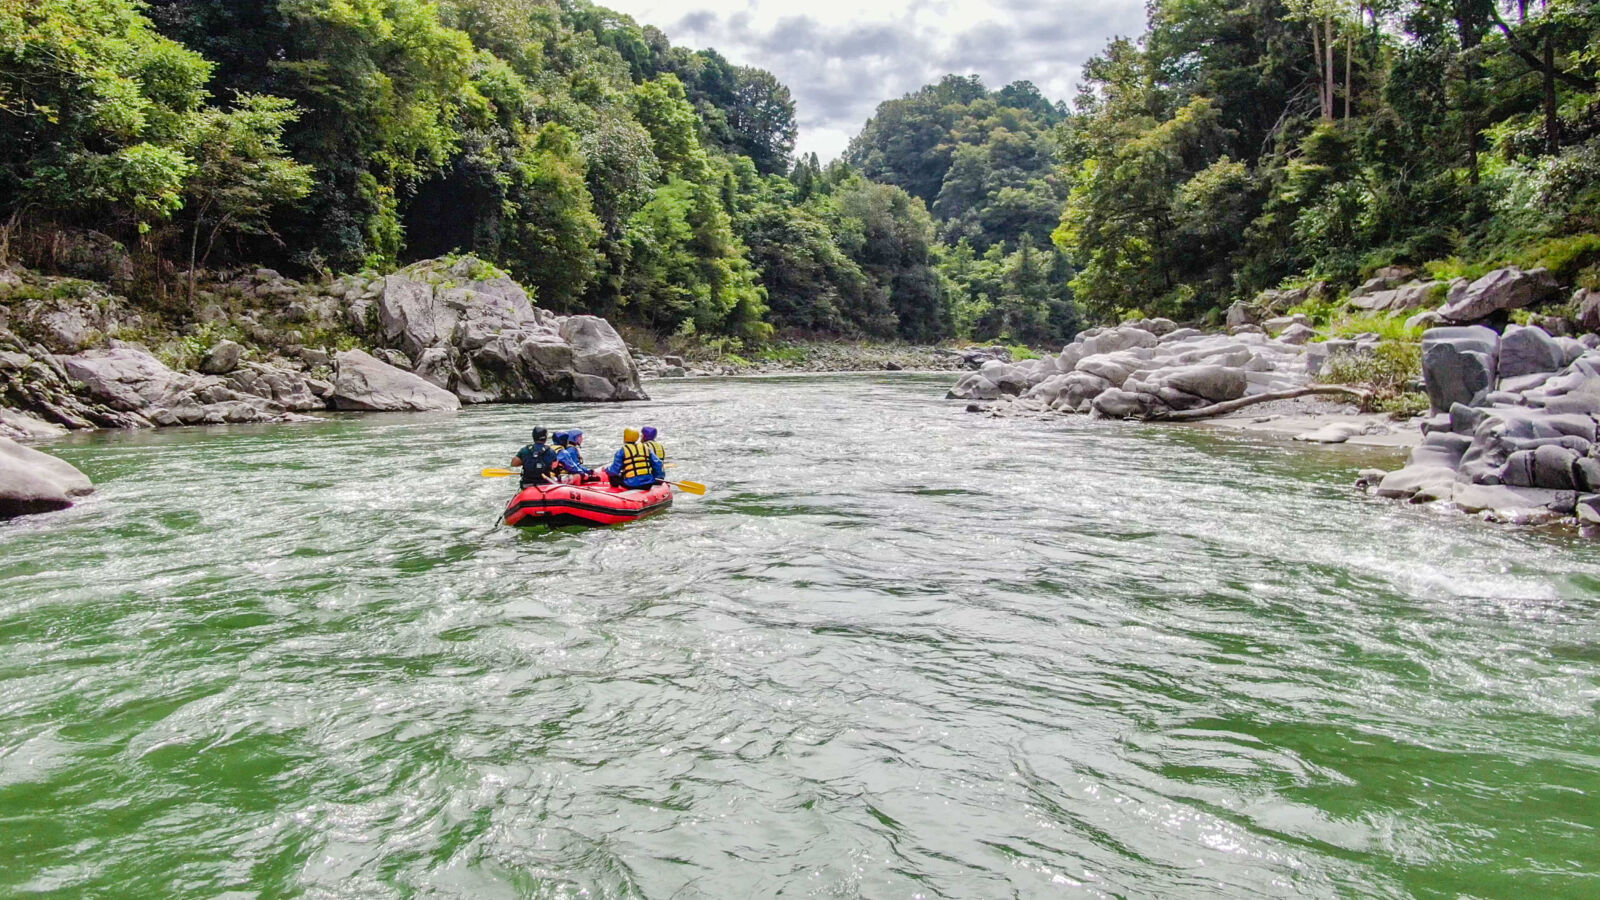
(841, 59)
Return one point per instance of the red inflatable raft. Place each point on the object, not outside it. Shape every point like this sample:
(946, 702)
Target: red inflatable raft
(561, 505)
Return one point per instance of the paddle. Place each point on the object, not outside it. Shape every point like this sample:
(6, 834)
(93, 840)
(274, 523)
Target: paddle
(688, 487)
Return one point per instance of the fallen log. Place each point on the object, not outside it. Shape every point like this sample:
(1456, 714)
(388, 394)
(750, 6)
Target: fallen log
(1228, 406)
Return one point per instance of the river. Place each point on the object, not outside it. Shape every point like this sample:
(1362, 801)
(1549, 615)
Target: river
(898, 651)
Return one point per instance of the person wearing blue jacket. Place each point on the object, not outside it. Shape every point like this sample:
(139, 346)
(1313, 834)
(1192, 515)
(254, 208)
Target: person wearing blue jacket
(634, 466)
(567, 458)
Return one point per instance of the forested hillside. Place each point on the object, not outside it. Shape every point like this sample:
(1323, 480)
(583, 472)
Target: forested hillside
(1241, 144)
(605, 168)
(1236, 146)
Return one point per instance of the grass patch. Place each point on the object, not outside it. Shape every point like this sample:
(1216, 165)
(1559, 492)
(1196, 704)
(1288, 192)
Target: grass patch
(1564, 257)
(782, 353)
(1020, 352)
(1387, 327)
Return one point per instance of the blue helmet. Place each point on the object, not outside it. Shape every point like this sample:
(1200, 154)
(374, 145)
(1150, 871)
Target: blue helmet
(574, 435)
(561, 438)
(648, 433)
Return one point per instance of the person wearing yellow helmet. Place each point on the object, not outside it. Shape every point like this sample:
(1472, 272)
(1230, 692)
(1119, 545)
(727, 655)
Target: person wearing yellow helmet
(635, 467)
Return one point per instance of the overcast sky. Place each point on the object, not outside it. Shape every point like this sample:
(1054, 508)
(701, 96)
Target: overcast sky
(843, 57)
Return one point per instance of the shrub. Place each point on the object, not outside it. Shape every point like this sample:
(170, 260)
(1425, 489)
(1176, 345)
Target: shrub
(1391, 372)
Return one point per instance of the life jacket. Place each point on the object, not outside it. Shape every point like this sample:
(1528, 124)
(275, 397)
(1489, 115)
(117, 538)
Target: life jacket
(656, 448)
(636, 461)
(537, 460)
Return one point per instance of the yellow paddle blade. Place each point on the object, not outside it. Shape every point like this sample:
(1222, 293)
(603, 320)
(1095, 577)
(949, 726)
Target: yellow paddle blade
(499, 473)
(689, 487)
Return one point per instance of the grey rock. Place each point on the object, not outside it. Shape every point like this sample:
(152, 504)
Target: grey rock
(1588, 509)
(974, 386)
(126, 379)
(1239, 314)
(1588, 304)
(393, 357)
(1411, 296)
(222, 358)
(1527, 351)
(1458, 365)
(1426, 319)
(288, 389)
(1440, 448)
(1475, 498)
(1586, 473)
(20, 426)
(1113, 367)
(1405, 483)
(1120, 404)
(1502, 289)
(1281, 323)
(1297, 334)
(600, 352)
(1214, 383)
(35, 482)
(364, 383)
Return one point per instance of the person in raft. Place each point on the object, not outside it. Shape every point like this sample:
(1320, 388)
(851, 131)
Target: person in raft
(568, 463)
(648, 435)
(575, 440)
(536, 459)
(635, 467)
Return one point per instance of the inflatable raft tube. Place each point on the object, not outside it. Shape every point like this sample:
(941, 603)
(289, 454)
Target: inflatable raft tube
(563, 505)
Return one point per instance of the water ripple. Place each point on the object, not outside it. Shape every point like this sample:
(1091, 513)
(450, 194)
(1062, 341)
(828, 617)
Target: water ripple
(897, 651)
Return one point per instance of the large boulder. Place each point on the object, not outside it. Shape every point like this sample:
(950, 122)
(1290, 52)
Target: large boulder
(35, 482)
(1458, 365)
(1213, 383)
(974, 386)
(1502, 289)
(126, 378)
(289, 389)
(1239, 314)
(1588, 305)
(1527, 351)
(363, 383)
(1406, 297)
(1120, 404)
(222, 358)
(598, 351)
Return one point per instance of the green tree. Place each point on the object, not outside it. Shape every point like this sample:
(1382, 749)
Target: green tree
(241, 172)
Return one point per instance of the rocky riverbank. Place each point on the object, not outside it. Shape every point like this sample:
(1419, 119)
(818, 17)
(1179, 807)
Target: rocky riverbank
(263, 348)
(1513, 434)
(804, 357)
(258, 347)
(1513, 429)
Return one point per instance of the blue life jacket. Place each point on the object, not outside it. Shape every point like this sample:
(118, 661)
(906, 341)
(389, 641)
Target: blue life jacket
(537, 460)
(569, 459)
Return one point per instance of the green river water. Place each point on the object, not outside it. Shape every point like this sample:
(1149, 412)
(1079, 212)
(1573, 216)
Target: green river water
(898, 651)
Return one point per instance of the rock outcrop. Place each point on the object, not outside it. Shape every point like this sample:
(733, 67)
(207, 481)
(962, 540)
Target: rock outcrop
(459, 327)
(476, 334)
(35, 482)
(1515, 435)
(1503, 289)
(1149, 369)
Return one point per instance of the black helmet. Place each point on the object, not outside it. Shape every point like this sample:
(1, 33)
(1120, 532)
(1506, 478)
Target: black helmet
(539, 433)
